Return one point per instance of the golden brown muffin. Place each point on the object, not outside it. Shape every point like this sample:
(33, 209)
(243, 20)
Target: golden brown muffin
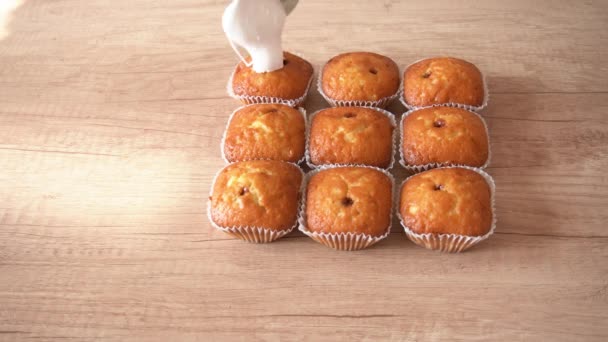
(349, 199)
(265, 131)
(447, 201)
(259, 193)
(360, 76)
(351, 135)
(444, 135)
(288, 83)
(443, 80)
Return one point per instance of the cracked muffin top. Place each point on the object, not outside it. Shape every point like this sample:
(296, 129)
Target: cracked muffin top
(444, 135)
(258, 193)
(265, 131)
(443, 80)
(349, 199)
(360, 76)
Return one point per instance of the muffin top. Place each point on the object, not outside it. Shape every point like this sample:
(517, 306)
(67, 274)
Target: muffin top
(349, 199)
(259, 193)
(360, 76)
(443, 80)
(447, 201)
(444, 135)
(289, 82)
(265, 131)
(351, 135)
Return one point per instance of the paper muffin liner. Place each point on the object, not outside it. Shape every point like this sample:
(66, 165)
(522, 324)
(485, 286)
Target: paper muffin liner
(257, 99)
(484, 104)
(429, 166)
(252, 233)
(223, 142)
(388, 114)
(381, 103)
(343, 241)
(451, 242)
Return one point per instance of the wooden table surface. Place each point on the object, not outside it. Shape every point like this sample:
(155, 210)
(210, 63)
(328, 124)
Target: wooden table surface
(111, 114)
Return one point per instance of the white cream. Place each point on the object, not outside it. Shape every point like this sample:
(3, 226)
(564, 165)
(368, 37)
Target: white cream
(256, 26)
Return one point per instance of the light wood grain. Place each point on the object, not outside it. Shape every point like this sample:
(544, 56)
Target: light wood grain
(111, 115)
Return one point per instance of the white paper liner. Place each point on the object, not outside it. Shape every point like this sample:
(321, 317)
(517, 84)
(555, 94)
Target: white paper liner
(257, 99)
(223, 142)
(388, 114)
(484, 104)
(251, 233)
(426, 167)
(451, 242)
(381, 103)
(343, 241)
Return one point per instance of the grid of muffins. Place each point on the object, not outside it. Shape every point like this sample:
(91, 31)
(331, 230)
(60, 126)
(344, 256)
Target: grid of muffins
(347, 198)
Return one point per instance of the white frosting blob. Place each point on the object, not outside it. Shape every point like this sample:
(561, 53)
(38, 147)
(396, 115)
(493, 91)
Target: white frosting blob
(256, 26)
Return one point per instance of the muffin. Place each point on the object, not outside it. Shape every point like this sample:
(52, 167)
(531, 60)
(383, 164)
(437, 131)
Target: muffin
(436, 136)
(359, 79)
(450, 209)
(443, 81)
(256, 201)
(351, 135)
(348, 208)
(288, 85)
(265, 131)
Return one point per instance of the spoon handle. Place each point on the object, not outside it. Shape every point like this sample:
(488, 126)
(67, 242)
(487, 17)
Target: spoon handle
(289, 5)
